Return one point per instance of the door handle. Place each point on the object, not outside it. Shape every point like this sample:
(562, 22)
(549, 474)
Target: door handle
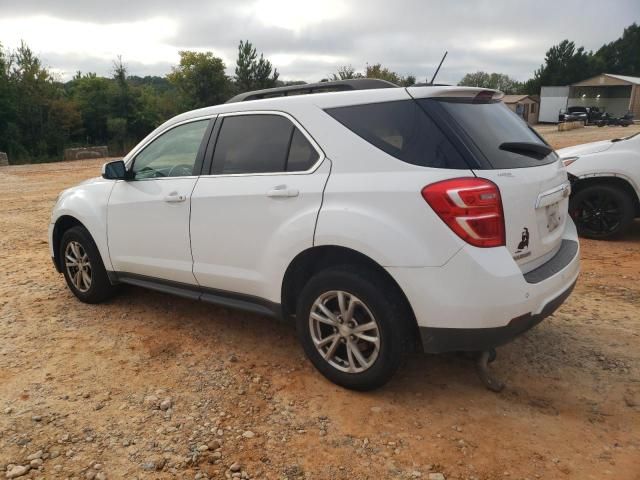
(283, 191)
(174, 198)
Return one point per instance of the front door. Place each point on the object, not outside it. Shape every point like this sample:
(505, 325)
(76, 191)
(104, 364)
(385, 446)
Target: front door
(148, 216)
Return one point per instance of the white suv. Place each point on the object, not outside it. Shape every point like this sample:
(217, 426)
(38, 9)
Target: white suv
(383, 220)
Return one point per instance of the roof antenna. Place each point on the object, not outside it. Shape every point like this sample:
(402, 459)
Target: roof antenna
(438, 69)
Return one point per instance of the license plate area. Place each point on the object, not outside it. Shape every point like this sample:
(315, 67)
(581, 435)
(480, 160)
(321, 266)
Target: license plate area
(554, 216)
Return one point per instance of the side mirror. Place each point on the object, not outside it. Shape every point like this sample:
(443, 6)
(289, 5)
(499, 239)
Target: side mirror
(115, 170)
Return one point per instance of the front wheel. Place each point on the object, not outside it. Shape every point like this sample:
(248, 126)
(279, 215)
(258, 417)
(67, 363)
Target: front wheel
(352, 328)
(83, 268)
(601, 211)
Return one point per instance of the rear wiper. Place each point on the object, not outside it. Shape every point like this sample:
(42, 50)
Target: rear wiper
(536, 150)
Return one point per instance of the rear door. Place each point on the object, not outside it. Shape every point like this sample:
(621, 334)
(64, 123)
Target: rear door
(532, 181)
(258, 206)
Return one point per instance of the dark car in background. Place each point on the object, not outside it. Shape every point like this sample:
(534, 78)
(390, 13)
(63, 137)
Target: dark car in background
(580, 114)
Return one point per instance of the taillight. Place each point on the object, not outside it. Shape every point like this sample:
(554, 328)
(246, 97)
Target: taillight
(471, 207)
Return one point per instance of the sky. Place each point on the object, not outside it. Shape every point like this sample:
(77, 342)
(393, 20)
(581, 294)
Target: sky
(308, 40)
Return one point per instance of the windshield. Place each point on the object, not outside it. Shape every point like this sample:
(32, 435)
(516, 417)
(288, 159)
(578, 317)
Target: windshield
(488, 125)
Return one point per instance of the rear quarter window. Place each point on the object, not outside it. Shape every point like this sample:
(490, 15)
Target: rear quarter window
(403, 130)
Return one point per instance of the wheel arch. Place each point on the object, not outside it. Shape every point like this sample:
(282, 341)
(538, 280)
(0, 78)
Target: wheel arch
(314, 259)
(63, 223)
(618, 181)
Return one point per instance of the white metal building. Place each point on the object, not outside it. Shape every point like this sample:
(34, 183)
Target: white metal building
(615, 94)
(552, 101)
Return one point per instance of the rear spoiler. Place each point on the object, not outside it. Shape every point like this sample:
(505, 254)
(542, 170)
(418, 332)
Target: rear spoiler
(455, 92)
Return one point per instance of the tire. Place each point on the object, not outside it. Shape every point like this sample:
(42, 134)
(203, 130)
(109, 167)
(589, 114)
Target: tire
(373, 303)
(601, 211)
(77, 243)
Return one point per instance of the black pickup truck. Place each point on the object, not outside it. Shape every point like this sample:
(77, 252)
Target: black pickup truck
(580, 114)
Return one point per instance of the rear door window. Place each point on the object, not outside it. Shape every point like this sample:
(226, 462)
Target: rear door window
(488, 125)
(261, 143)
(403, 130)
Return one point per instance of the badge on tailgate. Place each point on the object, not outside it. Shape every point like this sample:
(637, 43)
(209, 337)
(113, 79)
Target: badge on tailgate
(523, 245)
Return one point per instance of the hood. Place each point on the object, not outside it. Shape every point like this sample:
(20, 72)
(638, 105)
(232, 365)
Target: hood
(585, 149)
(89, 181)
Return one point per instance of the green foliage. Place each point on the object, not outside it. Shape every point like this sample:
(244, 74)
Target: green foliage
(496, 81)
(623, 55)
(40, 116)
(253, 73)
(565, 64)
(347, 72)
(200, 79)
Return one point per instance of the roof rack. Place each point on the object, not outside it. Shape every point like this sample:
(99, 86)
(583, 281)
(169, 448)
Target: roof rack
(338, 86)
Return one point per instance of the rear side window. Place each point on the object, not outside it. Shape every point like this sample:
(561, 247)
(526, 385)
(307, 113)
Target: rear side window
(401, 129)
(261, 144)
(488, 125)
(302, 156)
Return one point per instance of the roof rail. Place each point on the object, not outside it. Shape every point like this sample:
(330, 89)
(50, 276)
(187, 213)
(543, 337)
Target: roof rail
(338, 86)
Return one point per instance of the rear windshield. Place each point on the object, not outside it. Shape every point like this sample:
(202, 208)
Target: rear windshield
(401, 129)
(488, 125)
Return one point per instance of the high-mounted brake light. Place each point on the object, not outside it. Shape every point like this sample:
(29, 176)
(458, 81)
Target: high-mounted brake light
(484, 96)
(471, 207)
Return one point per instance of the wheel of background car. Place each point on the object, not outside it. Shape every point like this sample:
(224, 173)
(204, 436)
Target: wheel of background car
(83, 268)
(182, 170)
(601, 211)
(352, 327)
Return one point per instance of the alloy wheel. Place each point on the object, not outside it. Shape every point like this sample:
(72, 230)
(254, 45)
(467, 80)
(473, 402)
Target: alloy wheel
(344, 331)
(78, 266)
(598, 214)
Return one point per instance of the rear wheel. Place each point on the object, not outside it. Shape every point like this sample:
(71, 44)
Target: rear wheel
(83, 268)
(601, 211)
(352, 328)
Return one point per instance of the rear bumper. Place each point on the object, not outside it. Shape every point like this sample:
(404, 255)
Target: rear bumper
(480, 298)
(439, 340)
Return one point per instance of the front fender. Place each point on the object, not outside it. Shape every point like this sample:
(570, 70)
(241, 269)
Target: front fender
(87, 203)
(623, 164)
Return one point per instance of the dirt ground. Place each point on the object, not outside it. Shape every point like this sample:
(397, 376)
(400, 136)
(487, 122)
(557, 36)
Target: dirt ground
(153, 386)
(583, 135)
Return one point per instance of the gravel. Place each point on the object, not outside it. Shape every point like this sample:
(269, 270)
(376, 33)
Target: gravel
(17, 471)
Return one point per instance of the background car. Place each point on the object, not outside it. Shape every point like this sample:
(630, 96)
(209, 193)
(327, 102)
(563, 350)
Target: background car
(580, 114)
(605, 178)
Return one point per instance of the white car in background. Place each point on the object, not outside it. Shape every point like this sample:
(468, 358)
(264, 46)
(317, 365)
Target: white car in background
(605, 181)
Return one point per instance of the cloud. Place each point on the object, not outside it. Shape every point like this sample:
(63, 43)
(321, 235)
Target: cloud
(308, 39)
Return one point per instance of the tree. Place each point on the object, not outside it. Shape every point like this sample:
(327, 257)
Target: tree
(200, 79)
(117, 128)
(93, 95)
(495, 81)
(621, 56)
(253, 73)
(378, 71)
(7, 104)
(33, 89)
(347, 72)
(563, 65)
